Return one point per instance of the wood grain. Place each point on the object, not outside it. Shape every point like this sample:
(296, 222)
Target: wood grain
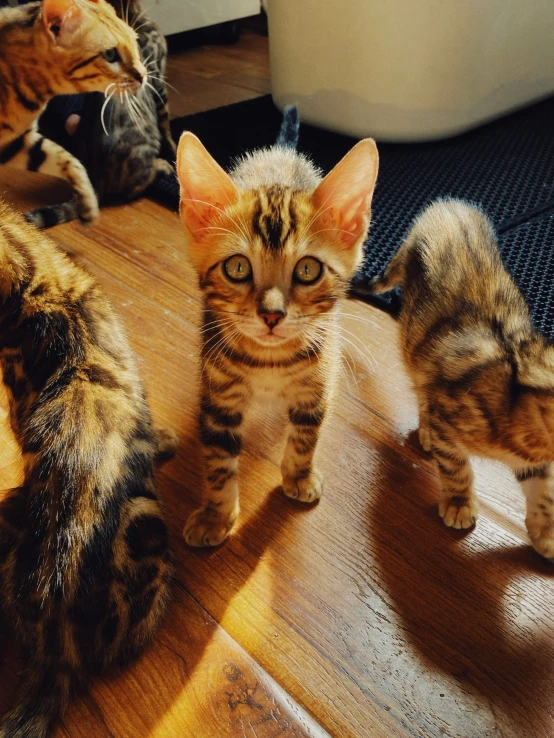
(359, 617)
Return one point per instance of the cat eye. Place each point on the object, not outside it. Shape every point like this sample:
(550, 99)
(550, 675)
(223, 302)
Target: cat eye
(111, 55)
(308, 270)
(237, 268)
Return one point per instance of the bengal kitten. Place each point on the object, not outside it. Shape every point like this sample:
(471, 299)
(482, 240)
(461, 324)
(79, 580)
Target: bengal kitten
(274, 247)
(124, 147)
(484, 377)
(85, 565)
(59, 47)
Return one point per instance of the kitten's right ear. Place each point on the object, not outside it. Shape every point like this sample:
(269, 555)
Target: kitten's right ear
(206, 189)
(61, 18)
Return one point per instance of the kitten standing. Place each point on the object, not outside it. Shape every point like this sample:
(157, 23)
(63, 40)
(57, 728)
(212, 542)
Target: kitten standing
(484, 378)
(85, 565)
(59, 47)
(274, 246)
(123, 159)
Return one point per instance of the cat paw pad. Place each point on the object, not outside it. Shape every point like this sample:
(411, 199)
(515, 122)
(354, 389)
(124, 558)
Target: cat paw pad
(206, 527)
(459, 513)
(305, 489)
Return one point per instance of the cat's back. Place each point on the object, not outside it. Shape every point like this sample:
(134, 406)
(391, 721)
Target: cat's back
(278, 165)
(454, 269)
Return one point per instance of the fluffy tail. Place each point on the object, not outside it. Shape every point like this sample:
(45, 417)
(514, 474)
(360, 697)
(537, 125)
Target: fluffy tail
(40, 703)
(394, 274)
(51, 215)
(290, 128)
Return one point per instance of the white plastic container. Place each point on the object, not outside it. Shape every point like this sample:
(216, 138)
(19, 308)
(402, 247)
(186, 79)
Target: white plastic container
(408, 70)
(174, 16)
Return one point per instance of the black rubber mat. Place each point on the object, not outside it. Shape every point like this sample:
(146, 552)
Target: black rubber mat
(506, 167)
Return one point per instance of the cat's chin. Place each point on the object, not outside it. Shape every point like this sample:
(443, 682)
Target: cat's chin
(271, 339)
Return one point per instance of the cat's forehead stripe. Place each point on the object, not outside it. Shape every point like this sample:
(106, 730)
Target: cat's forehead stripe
(274, 218)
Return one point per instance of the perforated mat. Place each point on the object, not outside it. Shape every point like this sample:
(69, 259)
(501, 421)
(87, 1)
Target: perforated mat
(506, 167)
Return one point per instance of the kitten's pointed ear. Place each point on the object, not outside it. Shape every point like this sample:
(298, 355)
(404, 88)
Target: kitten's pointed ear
(61, 18)
(344, 197)
(206, 189)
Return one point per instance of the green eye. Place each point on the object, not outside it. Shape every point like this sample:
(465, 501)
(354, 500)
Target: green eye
(308, 270)
(111, 55)
(237, 268)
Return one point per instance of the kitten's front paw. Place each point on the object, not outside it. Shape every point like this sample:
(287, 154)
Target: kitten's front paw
(305, 489)
(541, 535)
(207, 527)
(459, 512)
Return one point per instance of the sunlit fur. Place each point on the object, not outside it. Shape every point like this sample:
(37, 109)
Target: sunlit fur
(55, 48)
(85, 566)
(484, 377)
(274, 209)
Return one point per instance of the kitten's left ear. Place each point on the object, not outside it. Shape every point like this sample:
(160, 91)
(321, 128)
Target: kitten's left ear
(344, 197)
(206, 189)
(61, 18)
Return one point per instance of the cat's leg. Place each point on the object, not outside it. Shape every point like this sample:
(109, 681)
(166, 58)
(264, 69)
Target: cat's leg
(221, 419)
(537, 484)
(159, 166)
(458, 504)
(424, 431)
(39, 154)
(301, 480)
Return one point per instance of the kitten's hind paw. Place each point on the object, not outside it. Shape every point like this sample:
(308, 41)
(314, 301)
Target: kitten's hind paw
(207, 527)
(542, 536)
(305, 489)
(459, 512)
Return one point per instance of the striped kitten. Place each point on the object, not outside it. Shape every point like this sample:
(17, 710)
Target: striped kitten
(126, 159)
(59, 47)
(84, 560)
(484, 377)
(274, 247)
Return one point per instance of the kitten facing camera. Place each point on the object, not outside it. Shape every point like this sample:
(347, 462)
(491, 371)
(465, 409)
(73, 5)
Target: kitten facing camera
(484, 378)
(274, 246)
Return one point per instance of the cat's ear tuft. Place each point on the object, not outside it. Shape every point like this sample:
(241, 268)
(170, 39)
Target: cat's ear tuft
(61, 18)
(344, 197)
(206, 189)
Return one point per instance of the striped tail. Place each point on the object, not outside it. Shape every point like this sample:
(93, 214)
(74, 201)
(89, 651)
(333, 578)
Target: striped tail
(40, 704)
(51, 215)
(290, 128)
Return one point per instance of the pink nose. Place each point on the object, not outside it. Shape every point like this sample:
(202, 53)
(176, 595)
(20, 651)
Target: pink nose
(271, 319)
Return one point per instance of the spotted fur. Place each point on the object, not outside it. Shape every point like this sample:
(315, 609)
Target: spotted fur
(484, 377)
(85, 565)
(270, 334)
(56, 48)
(138, 144)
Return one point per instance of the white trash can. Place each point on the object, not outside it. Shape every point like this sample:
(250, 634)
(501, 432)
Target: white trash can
(409, 70)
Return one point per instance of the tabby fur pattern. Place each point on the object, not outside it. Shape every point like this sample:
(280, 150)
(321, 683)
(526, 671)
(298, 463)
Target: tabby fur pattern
(85, 566)
(59, 47)
(274, 247)
(484, 377)
(138, 144)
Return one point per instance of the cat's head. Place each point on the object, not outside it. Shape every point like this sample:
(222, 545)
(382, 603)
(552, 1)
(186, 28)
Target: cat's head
(274, 260)
(96, 50)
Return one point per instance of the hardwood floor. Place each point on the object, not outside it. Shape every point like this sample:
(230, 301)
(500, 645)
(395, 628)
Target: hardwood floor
(359, 617)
